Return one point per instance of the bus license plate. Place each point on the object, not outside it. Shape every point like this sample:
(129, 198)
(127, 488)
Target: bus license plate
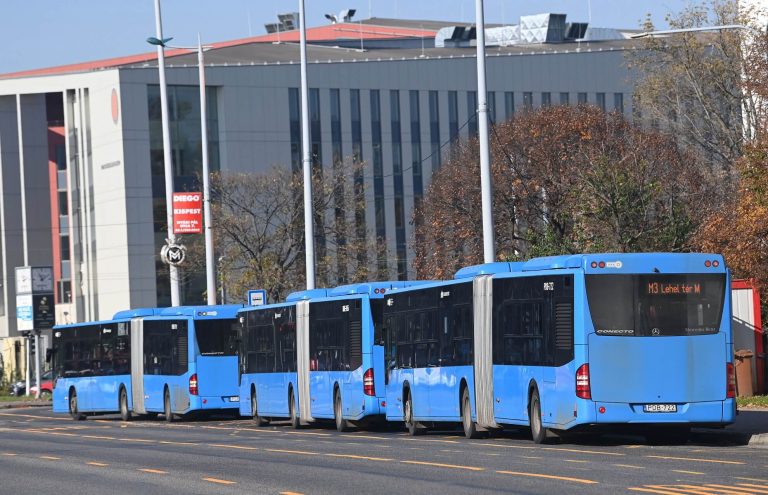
(236, 398)
(660, 408)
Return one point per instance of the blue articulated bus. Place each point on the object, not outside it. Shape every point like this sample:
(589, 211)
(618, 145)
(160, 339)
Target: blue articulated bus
(565, 343)
(316, 357)
(187, 363)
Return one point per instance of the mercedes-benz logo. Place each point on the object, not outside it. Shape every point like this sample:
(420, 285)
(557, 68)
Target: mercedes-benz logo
(656, 331)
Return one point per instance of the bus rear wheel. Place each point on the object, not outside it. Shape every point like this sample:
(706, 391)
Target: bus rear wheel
(413, 427)
(293, 414)
(341, 423)
(470, 428)
(73, 410)
(167, 407)
(259, 420)
(538, 432)
(125, 413)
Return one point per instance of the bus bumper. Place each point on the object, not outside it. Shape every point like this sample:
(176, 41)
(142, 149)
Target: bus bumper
(693, 413)
(212, 402)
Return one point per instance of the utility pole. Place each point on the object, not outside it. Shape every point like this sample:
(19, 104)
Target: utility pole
(309, 231)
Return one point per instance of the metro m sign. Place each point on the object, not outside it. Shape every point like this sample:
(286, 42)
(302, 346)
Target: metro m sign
(187, 213)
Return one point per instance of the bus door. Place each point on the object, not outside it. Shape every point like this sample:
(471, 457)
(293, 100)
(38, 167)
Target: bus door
(486, 381)
(137, 365)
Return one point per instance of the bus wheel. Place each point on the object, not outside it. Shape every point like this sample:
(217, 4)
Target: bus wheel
(538, 432)
(470, 429)
(73, 410)
(167, 407)
(295, 422)
(341, 423)
(414, 428)
(125, 413)
(260, 421)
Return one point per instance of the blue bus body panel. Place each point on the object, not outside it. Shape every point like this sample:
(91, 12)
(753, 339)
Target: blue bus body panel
(217, 381)
(94, 393)
(271, 393)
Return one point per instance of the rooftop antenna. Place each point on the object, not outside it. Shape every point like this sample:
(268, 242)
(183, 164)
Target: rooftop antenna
(422, 41)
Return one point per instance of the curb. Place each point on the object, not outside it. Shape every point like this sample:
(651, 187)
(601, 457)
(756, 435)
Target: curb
(759, 440)
(19, 405)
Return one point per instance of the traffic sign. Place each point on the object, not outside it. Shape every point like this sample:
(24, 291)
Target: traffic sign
(257, 297)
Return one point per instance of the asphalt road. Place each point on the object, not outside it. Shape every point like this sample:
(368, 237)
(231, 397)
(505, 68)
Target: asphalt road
(43, 453)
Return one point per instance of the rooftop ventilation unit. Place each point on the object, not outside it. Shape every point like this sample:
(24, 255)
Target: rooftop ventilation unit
(285, 22)
(575, 30)
(542, 28)
(343, 16)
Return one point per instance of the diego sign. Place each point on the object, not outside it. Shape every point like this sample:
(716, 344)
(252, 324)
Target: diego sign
(187, 213)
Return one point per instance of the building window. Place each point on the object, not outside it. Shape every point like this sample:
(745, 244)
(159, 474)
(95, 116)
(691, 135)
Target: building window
(582, 98)
(316, 140)
(618, 102)
(295, 128)
(546, 99)
(509, 104)
(434, 130)
(472, 112)
(600, 101)
(359, 184)
(397, 176)
(491, 106)
(564, 98)
(338, 160)
(453, 120)
(527, 100)
(378, 179)
(418, 186)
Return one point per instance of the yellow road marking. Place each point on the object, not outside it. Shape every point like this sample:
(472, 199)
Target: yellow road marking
(41, 418)
(449, 466)
(362, 457)
(291, 493)
(549, 476)
(686, 472)
(504, 446)
(678, 489)
(579, 451)
(630, 466)
(653, 490)
(431, 441)
(153, 471)
(98, 464)
(753, 487)
(50, 457)
(166, 442)
(573, 460)
(224, 446)
(97, 437)
(692, 459)
(301, 452)
(739, 489)
(221, 482)
(139, 440)
(10, 454)
(751, 479)
(530, 457)
(369, 437)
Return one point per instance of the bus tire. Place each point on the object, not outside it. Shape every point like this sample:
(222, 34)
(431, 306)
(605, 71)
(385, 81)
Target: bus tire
(73, 409)
(413, 427)
(125, 413)
(259, 420)
(470, 428)
(342, 424)
(167, 407)
(538, 432)
(292, 413)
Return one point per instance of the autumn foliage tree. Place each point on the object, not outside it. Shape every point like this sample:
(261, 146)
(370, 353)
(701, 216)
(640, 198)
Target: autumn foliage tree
(565, 180)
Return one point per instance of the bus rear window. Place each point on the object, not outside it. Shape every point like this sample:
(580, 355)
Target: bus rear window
(217, 337)
(656, 305)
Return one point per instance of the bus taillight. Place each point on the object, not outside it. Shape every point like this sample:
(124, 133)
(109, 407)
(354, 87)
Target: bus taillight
(368, 388)
(193, 384)
(582, 382)
(730, 380)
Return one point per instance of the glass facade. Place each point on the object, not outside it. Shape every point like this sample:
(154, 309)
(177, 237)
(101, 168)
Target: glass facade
(359, 179)
(378, 179)
(416, 170)
(527, 100)
(294, 115)
(186, 142)
(491, 106)
(434, 130)
(509, 104)
(618, 102)
(564, 97)
(316, 140)
(472, 113)
(582, 98)
(546, 99)
(600, 101)
(397, 176)
(338, 161)
(453, 120)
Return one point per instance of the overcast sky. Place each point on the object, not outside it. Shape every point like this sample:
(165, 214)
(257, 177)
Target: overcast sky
(44, 33)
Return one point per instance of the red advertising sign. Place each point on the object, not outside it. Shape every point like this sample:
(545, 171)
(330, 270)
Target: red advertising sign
(187, 213)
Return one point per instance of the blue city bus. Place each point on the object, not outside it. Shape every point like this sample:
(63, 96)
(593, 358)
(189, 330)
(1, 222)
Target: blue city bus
(315, 357)
(565, 343)
(188, 363)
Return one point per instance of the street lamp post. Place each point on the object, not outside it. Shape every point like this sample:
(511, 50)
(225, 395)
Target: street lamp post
(167, 160)
(309, 231)
(209, 262)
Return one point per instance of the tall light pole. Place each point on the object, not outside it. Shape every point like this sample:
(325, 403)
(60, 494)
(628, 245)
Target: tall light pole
(209, 262)
(309, 231)
(167, 160)
(489, 250)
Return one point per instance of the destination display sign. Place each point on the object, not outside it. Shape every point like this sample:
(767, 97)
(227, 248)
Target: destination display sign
(673, 288)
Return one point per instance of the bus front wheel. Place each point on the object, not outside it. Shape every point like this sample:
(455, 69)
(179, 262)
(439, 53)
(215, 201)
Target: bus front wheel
(470, 428)
(73, 410)
(125, 413)
(341, 423)
(167, 407)
(259, 420)
(538, 432)
(413, 427)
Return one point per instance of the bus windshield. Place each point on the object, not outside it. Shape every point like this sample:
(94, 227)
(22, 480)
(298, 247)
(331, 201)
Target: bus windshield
(656, 305)
(216, 337)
